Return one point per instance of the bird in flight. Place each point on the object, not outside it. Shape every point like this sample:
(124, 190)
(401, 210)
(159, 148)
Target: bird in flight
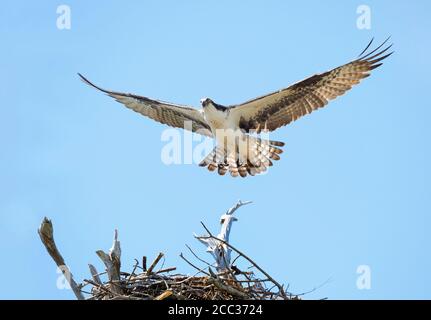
(238, 129)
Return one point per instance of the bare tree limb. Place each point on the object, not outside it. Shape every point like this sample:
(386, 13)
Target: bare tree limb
(112, 262)
(166, 270)
(238, 205)
(220, 252)
(197, 257)
(46, 233)
(279, 286)
(229, 289)
(94, 274)
(199, 269)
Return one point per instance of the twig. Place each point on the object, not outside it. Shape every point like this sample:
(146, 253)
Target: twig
(166, 270)
(253, 281)
(46, 233)
(197, 257)
(99, 286)
(134, 269)
(164, 295)
(279, 286)
(231, 290)
(155, 262)
(234, 260)
(190, 277)
(314, 289)
(94, 274)
(144, 263)
(204, 272)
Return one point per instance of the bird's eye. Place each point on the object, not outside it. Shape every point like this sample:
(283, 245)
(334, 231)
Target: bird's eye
(205, 102)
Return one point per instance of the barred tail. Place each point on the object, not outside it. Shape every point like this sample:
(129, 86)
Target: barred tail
(256, 158)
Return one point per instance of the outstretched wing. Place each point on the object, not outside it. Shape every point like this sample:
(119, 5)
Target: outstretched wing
(284, 106)
(167, 113)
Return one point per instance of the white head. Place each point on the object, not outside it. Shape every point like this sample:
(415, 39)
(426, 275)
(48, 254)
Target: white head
(206, 101)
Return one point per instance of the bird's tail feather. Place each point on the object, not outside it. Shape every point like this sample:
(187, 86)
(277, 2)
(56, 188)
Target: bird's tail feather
(256, 160)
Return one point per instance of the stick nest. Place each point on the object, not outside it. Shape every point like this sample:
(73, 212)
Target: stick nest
(232, 284)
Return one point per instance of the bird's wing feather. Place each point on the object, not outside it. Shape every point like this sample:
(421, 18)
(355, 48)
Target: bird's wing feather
(164, 112)
(284, 106)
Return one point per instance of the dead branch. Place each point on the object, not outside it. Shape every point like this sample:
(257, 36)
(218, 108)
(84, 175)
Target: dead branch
(199, 269)
(155, 262)
(46, 233)
(279, 286)
(220, 252)
(197, 257)
(94, 274)
(230, 290)
(112, 262)
(228, 283)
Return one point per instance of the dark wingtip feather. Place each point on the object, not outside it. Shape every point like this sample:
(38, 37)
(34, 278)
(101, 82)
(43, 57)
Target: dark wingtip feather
(375, 66)
(91, 84)
(381, 58)
(366, 48)
(84, 79)
(368, 56)
(377, 62)
(374, 57)
(378, 53)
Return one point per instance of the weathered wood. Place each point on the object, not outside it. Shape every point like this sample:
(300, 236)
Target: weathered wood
(278, 285)
(94, 274)
(219, 250)
(227, 282)
(46, 233)
(112, 262)
(214, 279)
(144, 263)
(155, 262)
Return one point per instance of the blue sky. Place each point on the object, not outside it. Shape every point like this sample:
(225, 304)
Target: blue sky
(352, 187)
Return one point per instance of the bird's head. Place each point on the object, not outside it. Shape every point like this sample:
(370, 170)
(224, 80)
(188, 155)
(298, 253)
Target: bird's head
(206, 102)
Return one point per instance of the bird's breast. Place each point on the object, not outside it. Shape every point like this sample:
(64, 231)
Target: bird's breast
(218, 119)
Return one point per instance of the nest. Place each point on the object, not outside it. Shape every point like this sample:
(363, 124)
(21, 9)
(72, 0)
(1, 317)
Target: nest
(163, 284)
(224, 279)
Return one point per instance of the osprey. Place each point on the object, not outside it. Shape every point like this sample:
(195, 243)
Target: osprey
(237, 129)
